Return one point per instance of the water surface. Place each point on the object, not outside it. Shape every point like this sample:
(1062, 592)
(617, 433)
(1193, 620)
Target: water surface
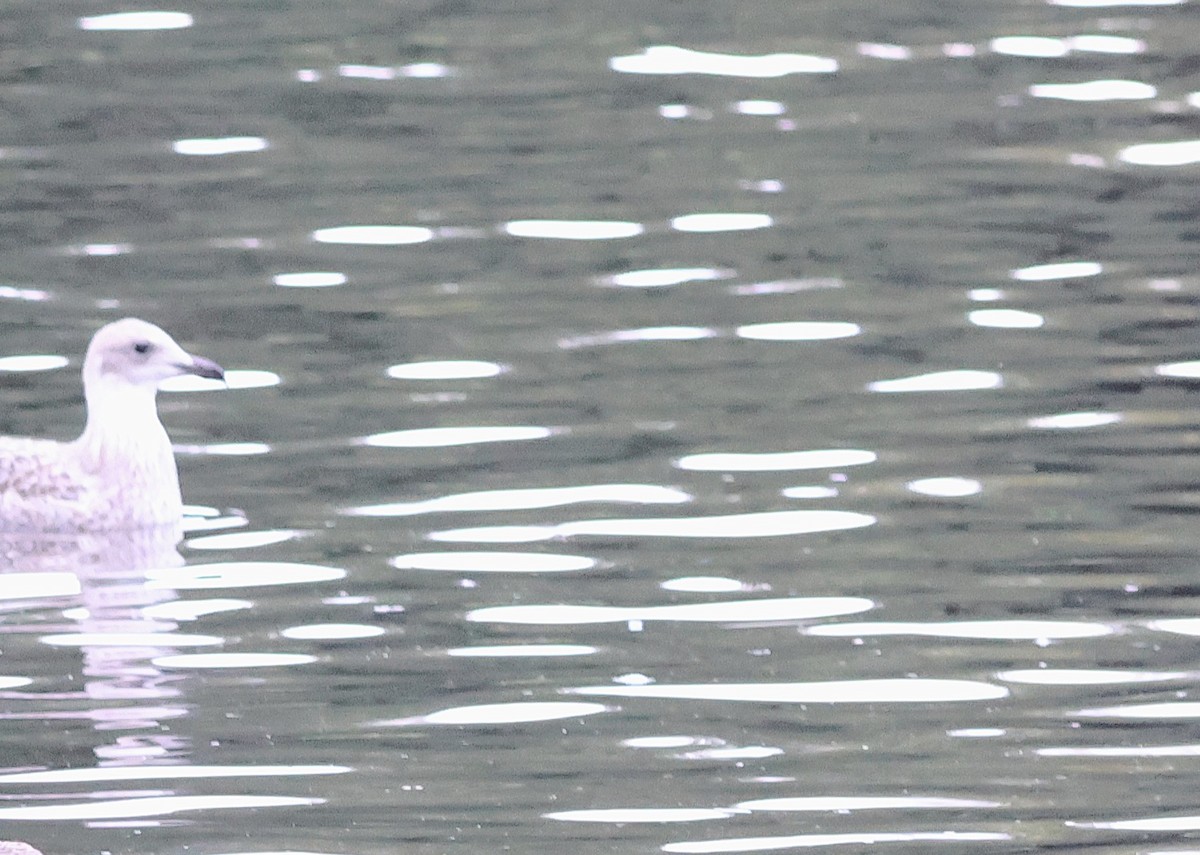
(695, 428)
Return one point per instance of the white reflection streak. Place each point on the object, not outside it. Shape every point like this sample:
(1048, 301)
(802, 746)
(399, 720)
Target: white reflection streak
(806, 841)
(165, 773)
(8, 292)
(493, 562)
(946, 487)
(446, 437)
(374, 235)
(237, 378)
(233, 660)
(1122, 751)
(143, 807)
(492, 714)
(215, 146)
(668, 59)
(961, 380)
(1057, 270)
(775, 461)
(310, 279)
(1166, 710)
(1012, 630)
(767, 524)
(853, 803)
(529, 499)
(908, 690)
(679, 333)
(1088, 676)
(573, 229)
(1073, 421)
(243, 539)
(130, 21)
(759, 108)
(23, 586)
(1106, 44)
(1187, 370)
(1006, 319)
(665, 277)
(733, 611)
(129, 639)
(445, 369)
(240, 574)
(521, 651)
(1038, 46)
(332, 632)
(622, 816)
(1095, 90)
(1162, 154)
(799, 331)
(721, 222)
(1161, 823)
(878, 50)
(1100, 4)
(33, 362)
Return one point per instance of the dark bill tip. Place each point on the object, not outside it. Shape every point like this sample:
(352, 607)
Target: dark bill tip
(206, 368)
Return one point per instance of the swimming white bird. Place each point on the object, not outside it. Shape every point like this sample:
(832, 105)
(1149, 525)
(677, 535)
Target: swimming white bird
(120, 473)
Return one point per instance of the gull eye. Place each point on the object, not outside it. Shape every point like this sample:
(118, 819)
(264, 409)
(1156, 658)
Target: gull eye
(142, 347)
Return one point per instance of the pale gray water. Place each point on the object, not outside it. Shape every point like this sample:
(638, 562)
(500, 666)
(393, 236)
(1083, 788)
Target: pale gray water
(969, 621)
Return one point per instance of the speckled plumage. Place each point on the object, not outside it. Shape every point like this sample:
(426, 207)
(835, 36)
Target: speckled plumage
(120, 473)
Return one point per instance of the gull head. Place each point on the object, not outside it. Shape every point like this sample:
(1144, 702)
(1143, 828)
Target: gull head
(138, 354)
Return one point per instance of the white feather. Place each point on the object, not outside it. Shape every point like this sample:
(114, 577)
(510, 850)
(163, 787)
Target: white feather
(120, 473)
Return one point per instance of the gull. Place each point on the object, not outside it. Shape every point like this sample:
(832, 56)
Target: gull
(120, 473)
